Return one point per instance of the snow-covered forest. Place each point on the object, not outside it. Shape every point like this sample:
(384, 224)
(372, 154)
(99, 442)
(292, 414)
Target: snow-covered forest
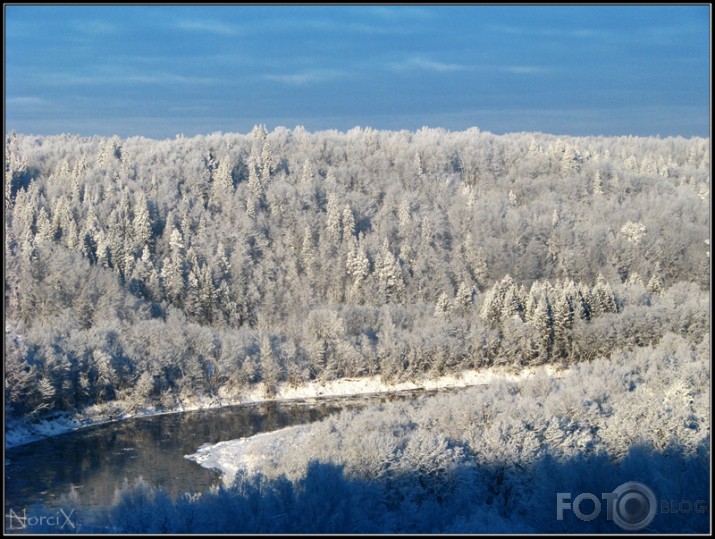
(487, 460)
(153, 273)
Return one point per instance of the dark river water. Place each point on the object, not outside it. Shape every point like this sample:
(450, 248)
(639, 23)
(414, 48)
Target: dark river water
(83, 469)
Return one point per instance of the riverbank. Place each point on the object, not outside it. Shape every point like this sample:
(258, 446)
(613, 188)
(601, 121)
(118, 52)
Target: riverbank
(22, 432)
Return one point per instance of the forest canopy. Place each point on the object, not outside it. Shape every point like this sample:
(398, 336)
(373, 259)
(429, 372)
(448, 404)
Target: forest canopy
(153, 272)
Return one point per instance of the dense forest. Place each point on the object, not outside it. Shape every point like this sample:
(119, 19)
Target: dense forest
(153, 273)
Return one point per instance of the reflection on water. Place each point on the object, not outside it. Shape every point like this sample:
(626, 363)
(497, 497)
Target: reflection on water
(99, 459)
(96, 461)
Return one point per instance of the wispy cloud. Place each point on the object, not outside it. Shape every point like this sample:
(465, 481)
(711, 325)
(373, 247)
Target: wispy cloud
(94, 27)
(313, 76)
(207, 26)
(666, 35)
(657, 35)
(354, 25)
(524, 70)
(66, 79)
(584, 33)
(394, 12)
(362, 28)
(26, 102)
(168, 78)
(424, 64)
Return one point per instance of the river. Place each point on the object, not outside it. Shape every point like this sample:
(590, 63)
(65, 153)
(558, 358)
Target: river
(94, 462)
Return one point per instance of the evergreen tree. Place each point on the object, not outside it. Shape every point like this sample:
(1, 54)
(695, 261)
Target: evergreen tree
(465, 296)
(267, 163)
(491, 310)
(443, 307)
(419, 168)
(389, 275)
(358, 267)
(142, 225)
(306, 177)
(563, 316)
(173, 272)
(333, 222)
(404, 215)
(597, 184)
(207, 295)
(603, 298)
(255, 181)
(655, 285)
(349, 227)
(61, 217)
(571, 160)
(583, 306)
(308, 254)
(544, 323)
(271, 370)
(46, 232)
(70, 236)
(511, 303)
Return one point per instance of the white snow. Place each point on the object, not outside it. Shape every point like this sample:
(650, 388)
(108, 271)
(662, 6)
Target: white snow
(373, 384)
(248, 454)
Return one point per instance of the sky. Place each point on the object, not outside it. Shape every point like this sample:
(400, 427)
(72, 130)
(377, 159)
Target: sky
(159, 71)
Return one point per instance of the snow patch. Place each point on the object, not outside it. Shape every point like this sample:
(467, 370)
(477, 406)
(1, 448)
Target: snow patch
(248, 454)
(373, 384)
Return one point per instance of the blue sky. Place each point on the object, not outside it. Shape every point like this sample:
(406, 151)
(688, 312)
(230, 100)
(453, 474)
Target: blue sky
(159, 71)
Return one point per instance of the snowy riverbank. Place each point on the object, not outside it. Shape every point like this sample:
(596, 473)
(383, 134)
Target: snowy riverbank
(253, 453)
(248, 454)
(20, 433)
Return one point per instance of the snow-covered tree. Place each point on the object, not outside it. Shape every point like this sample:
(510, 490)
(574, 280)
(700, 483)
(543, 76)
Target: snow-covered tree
(404, 215)
(597, 184)
(633, 232)
(46, 231)
(563, 317)
(358, 267)
(142, 223)
(173, 272)
(443, 306)
(307, 176)
(465, 296)
(333, 225)
(389, 275)
(349, 226)
(655, 285)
